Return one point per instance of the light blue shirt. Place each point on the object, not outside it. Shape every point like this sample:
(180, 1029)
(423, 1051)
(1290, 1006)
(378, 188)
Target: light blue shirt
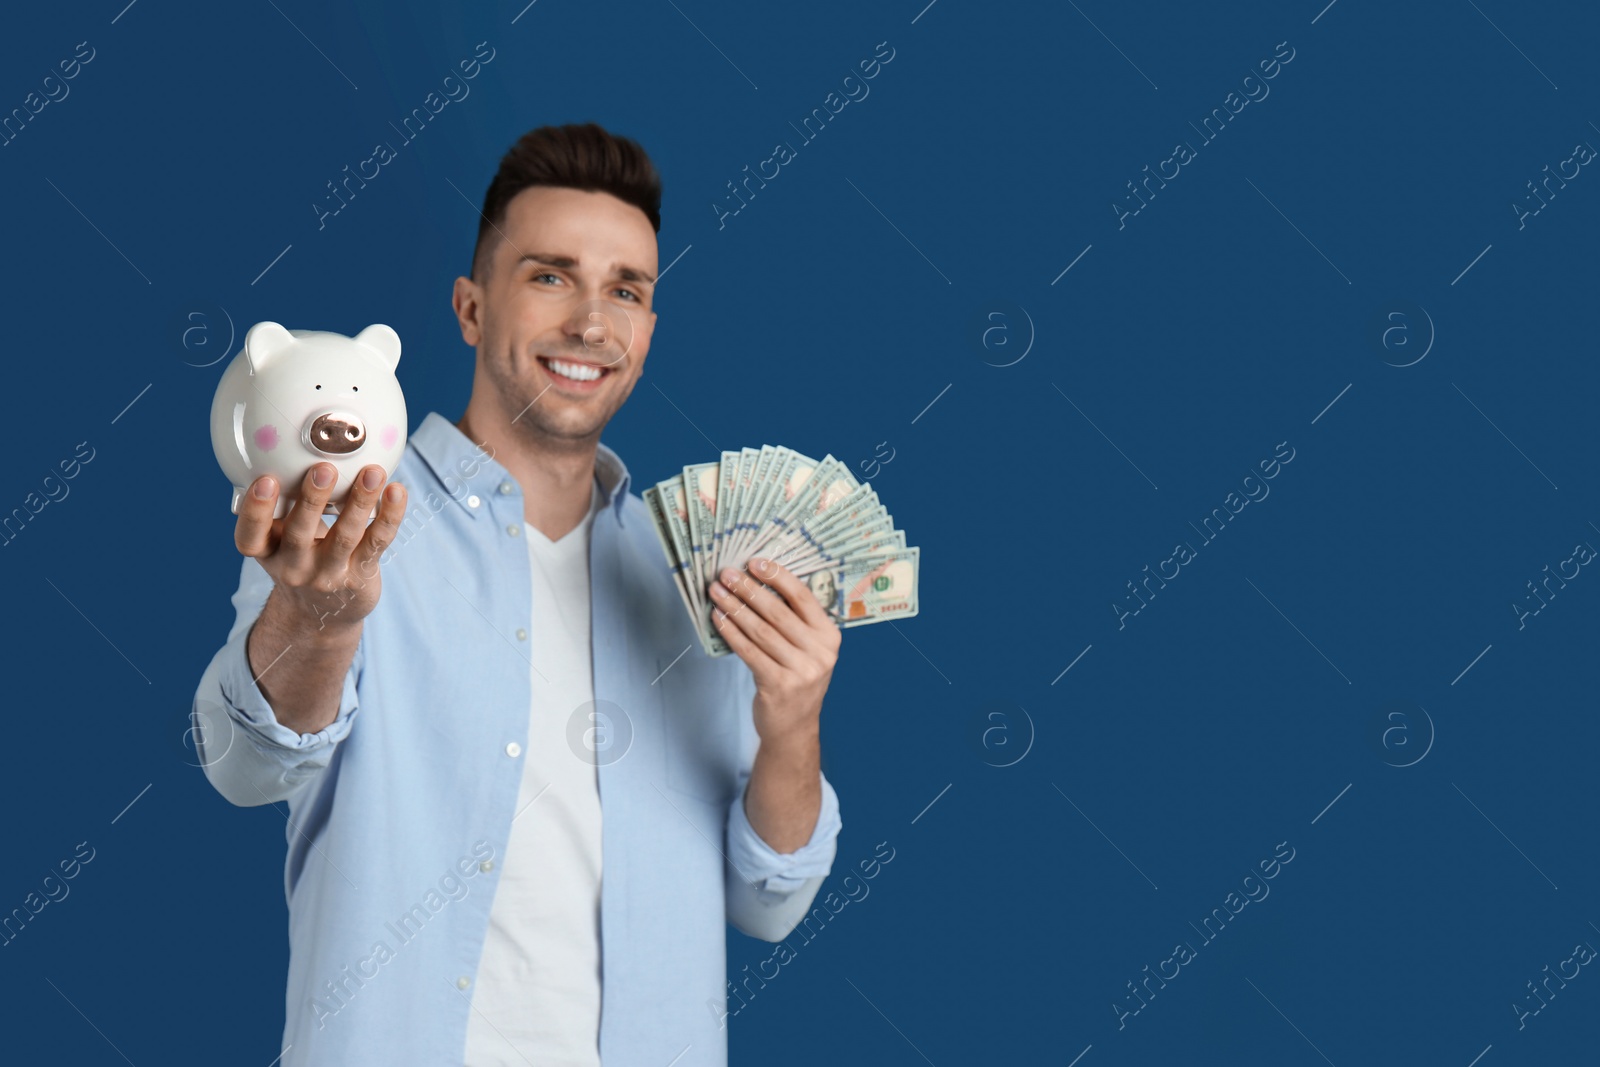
(400, 809)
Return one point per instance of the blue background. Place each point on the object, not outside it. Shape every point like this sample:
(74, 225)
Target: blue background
(1246, 705)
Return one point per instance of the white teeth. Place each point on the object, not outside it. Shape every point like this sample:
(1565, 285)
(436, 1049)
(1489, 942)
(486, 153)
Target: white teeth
(576, 371)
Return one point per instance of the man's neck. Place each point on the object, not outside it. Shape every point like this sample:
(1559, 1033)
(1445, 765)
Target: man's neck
(557, 484)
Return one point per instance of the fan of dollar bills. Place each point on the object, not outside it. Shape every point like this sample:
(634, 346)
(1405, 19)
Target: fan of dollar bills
(813, 518)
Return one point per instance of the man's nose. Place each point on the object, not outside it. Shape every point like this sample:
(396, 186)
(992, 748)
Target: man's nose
(594, 327)
(604, 330)
(337, 433)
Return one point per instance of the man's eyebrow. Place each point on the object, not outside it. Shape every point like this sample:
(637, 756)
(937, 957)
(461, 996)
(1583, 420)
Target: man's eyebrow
(550, 259)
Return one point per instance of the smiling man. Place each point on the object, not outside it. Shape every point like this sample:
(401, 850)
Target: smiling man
(522, 803)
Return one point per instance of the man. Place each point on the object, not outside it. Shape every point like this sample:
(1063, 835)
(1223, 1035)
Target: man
(447, 749)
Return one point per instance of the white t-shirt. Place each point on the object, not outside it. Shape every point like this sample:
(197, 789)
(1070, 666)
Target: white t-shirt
(537, 995)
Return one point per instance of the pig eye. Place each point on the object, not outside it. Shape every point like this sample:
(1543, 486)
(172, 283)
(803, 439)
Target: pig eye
(355, 388)
(319, 387)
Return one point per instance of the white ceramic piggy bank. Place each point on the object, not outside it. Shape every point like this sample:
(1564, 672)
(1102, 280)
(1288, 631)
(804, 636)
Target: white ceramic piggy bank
(294, 398)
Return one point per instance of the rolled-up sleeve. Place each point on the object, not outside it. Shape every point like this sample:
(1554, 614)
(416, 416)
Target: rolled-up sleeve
(769, 892)
(247, 754)
(778, 874)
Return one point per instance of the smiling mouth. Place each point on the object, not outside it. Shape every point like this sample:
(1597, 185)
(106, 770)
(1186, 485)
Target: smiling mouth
(573, 372)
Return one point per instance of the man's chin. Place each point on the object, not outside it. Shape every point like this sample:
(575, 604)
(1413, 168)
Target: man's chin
(549, 425)
(554, 414)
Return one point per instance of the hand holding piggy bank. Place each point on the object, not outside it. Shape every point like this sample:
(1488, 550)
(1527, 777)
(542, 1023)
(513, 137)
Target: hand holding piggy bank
(294, 398)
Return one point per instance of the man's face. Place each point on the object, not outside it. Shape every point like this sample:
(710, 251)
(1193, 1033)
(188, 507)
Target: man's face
(562, 320)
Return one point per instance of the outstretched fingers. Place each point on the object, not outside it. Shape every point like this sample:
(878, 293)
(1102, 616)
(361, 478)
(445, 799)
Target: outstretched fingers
(253, 534)
(381, 534)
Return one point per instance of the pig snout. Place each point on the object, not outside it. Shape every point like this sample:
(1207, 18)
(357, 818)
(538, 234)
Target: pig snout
(336, 433)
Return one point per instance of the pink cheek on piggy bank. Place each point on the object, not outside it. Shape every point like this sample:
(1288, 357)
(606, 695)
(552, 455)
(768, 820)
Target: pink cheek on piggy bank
(267, 438)
(388, 436)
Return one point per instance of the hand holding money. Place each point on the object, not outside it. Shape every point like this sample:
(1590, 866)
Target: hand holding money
(788, 642)
(813, 519)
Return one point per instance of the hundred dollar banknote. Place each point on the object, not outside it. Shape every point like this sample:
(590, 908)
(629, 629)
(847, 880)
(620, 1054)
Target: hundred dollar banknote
(811, 516)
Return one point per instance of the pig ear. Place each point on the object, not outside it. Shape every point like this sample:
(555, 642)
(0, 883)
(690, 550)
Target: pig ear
(382, 340)
(265, 340)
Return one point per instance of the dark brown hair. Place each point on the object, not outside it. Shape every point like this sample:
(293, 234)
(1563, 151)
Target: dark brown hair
(580, 156)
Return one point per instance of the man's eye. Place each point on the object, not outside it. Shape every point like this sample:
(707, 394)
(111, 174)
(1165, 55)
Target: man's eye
(629, 293)
(546, 274)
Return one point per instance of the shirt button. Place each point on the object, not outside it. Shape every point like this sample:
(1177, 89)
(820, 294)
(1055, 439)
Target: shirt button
(522, 635)
(513, 750)
(486, 866)
(473, 501)
(463, 982)
(514, 530)
(505, 487)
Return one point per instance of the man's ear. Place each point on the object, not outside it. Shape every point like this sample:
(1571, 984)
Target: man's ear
(466, 300)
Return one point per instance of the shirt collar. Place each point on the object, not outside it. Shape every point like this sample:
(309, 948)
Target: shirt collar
(465, 470)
